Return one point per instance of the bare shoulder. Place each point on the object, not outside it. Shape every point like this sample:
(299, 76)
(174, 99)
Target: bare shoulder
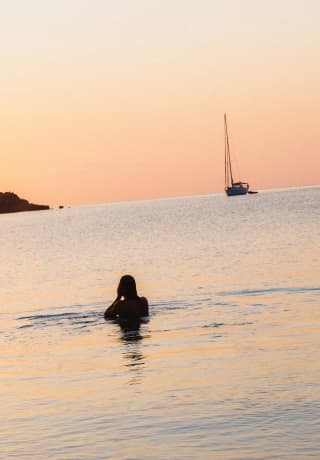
(144, 306)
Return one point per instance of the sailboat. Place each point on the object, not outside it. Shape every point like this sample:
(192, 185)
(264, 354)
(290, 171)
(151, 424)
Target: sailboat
(231, 188)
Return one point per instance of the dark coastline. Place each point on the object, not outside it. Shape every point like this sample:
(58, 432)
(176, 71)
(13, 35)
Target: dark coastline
(10, 202)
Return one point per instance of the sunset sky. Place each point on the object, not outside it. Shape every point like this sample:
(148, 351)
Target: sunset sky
(107, 100)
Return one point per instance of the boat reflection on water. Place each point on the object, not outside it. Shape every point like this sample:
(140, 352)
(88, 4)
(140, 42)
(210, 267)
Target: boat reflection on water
(132, 338)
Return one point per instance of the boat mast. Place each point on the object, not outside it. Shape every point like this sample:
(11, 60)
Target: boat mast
(226, 179)
(227, 163)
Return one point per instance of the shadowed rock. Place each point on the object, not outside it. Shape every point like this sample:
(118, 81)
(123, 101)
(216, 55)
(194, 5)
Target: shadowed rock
(10, 202)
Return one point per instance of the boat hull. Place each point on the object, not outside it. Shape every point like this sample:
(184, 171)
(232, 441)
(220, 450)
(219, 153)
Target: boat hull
(233, 191)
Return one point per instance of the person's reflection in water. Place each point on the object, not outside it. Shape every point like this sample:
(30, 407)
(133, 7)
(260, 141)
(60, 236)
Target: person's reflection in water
(132, 337)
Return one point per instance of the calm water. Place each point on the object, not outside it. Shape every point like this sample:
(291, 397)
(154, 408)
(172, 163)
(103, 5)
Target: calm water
(228, 365)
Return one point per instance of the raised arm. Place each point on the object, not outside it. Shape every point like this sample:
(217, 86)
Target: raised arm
(113, 310)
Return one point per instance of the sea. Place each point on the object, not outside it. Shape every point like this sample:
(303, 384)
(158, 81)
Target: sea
(227, 366)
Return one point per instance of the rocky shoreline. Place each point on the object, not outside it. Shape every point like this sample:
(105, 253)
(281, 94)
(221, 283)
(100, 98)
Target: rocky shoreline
(10, 202)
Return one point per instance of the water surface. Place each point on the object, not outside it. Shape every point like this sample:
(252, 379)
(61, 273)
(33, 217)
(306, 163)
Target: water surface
(227, 365)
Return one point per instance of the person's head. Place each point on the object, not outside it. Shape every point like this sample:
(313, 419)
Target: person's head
(127, 287)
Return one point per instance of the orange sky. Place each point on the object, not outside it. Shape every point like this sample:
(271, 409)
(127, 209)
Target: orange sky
(118, 100)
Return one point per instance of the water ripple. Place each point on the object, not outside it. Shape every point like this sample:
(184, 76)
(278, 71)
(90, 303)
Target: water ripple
(258, 292)
(48, 320)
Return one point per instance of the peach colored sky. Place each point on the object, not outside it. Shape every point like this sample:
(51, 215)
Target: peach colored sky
(121, 99)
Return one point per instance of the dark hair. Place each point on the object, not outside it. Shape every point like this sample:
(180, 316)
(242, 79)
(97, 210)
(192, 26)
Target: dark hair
(127, 287)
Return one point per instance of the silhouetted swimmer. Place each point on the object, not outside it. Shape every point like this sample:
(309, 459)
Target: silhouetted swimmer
(127, 305)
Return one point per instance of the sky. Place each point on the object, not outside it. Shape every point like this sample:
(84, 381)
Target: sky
(110, 100)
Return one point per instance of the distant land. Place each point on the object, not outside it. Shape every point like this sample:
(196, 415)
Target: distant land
(10, 202)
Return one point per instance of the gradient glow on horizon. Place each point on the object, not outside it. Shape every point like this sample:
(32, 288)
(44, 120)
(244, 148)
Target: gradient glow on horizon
(120, 99)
